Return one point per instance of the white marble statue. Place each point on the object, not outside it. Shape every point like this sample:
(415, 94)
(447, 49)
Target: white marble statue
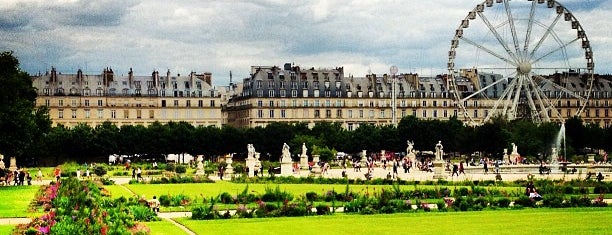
(286, 155)
(410, 146)
(250, 151)
(304, 149)
(439, 151)
(514, 149)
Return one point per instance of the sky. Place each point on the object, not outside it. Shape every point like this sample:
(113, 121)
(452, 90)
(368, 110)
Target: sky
(223, 36)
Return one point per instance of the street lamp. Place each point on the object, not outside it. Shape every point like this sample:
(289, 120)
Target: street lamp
(393, 71)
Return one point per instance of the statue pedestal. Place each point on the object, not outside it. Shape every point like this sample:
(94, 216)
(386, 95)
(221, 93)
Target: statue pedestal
(304, 162)
(250, 164)
(316, 169)
(286, 168)
(229, 169)
(199, 169)
(439, 170)
(12, 164)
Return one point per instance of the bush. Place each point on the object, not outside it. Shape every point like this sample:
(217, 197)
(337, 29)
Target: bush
(164, 200)
(312, 196)
(503, 202)
(170, 167)
(524, 201)
(553, 200)
(142, 213)
(100, 171)
(204, 212)
(181, 169)
(600, 189)
(226, 198)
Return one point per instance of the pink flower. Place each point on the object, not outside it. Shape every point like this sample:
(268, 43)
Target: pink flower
(44, 230)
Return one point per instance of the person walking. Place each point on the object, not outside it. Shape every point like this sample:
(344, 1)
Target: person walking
(461, 170)
(486, 166)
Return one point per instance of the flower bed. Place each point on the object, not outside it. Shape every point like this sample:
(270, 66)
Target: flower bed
(81, 207)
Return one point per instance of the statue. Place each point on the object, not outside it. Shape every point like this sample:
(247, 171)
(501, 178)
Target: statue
(250, 151)
(2, 162)
(439, 151)
(285, 153)
(304, 149)
(514, 149)
(410, 147)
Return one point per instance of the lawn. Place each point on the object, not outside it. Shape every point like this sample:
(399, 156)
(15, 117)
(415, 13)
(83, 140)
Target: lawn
(213, 189)
(164, 227)
(15, 200)
(118, 191)
(6, 229)
(528, 221)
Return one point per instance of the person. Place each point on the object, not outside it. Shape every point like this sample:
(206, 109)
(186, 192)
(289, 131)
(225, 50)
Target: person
(496, 166)
(16, 177)
(395, 165)
(461, 170)
(78, 174)
(29, 178)
(529, 188)
(139, 174)
(600, 177)
(155, 165)
(154, 204)
(455, 170)
(39, 175)
(22, 176)
(87, 174)
(133, 173)
(57, 173)
(486, 167)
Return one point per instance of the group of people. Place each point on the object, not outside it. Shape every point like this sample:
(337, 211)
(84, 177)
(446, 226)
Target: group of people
(18, 177)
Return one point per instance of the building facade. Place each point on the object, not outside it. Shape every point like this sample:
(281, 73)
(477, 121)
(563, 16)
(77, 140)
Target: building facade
(292, 94)
(295, 95)
(128, 100)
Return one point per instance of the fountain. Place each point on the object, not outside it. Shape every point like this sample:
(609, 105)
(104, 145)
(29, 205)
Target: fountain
(560, 137)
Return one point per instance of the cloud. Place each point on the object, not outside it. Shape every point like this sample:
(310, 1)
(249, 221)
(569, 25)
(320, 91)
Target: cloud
(219, 36)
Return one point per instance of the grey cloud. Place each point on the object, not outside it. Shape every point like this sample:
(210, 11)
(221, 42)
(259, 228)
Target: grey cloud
(92, 13)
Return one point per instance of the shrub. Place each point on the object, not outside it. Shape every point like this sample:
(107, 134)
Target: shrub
(100, 170)
(226, 198)
(553, 200)
(311, 196)
(164, 200)
(503, 202)
(170, 167)
(524, 201)
(204, 212)
(142, 213)
(180, 169)
(600, 189)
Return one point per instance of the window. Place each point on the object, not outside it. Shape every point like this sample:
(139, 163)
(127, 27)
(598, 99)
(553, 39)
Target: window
(151, 114)
(126, 114)
(73, 103)
(47, 102)
(424, 103)
(360, 113)
(100, 103)
(271, 103)
(200, 103)
(435, 113)
(382, 113)
(339, 113)
(163, 104)
(100, 113)
(350, 114)
(113, 114)
(293, 93)
(476, 113)
(328, 113)
(176, 103)
(138, 113)
(271, 113)
(188, 103)
(260, 113)
(317, 113)
(60, 103)
(424, 113)
(270, 93)
(60, 113)
(371, 114)
(74, 113)
(87, 113)
(283, 113)
(259, 103)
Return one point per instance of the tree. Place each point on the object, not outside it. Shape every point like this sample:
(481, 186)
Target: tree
(21, 123)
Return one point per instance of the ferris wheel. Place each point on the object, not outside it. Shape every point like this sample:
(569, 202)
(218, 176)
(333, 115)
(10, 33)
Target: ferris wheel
(520, 59)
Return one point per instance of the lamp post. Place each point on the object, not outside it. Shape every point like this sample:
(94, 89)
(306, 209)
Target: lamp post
(393, 71)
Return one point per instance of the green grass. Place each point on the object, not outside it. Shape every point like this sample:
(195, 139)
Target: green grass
(213, 189)
(528, 221)
(15, 200)
(6, 229)
(164, 227)
(118, 191)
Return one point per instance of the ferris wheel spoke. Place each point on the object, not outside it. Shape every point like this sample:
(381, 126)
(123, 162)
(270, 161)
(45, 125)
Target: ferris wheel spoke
(512, 26)
(507, 60)
(529, 26)
(548, 32)
(545, 103)
(510, 89)
(499, 38)
(535, 111)
(516, 97)
(483, 89)
(562, 47)
(498, 103)
(563, 89)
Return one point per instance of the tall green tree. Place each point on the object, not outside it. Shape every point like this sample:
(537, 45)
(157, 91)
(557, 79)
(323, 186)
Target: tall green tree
(21, 123)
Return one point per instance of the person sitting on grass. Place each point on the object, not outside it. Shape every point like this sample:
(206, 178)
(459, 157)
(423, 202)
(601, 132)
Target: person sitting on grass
(154, 204)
